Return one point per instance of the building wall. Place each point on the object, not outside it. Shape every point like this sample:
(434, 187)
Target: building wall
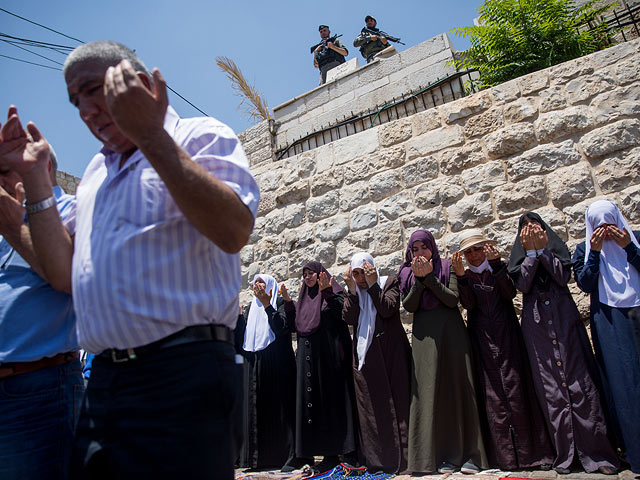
(552, 141)
(68, 182)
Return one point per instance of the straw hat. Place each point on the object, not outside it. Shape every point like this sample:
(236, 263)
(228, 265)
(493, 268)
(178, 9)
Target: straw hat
(472, 237)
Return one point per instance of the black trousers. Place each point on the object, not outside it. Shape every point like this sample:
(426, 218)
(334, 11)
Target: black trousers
(172, 414)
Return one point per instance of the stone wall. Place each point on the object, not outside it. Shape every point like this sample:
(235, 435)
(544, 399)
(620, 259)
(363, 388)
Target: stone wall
(552, 141)
(68, 182)
(368, 87)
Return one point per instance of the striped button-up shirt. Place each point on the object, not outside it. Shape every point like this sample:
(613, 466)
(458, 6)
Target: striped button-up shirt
(140, 270)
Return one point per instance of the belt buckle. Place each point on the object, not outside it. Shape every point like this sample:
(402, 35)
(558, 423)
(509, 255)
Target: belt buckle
(131, 355)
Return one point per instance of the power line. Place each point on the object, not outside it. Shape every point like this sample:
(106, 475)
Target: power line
(205, 114)
(40, 25)
(30, 63)
(62, 49)
(30, 51)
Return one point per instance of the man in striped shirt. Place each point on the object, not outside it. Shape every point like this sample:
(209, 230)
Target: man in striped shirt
(151, 255)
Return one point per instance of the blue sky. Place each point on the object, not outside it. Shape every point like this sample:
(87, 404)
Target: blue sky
(268, 40)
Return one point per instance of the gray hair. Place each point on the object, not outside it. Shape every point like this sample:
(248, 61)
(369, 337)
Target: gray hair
(54, 159)
(106, 52)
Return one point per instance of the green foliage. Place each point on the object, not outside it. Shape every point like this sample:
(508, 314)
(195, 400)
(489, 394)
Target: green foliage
(516, 37)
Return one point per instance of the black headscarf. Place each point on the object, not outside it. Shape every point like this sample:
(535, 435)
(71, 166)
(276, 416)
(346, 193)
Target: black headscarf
(556, 246)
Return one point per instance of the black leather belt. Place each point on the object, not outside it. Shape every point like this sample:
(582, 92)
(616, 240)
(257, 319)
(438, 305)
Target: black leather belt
(197, 333)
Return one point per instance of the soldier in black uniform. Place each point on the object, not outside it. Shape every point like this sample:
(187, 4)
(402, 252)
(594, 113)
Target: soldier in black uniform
(328, 54)
(369, 43)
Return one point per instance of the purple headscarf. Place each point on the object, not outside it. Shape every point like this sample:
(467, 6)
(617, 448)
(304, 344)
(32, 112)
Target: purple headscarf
(441, 268)
(310, 302)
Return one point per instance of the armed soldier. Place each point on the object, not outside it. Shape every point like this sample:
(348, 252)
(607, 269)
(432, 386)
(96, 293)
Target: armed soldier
(372, 40)
(329, 53)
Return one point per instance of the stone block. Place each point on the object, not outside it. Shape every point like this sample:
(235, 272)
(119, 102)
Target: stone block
(612, 55)
(510, 139)
(562, 73)
(583, 88)
(342, 70)
(629, 70)
(618, 172)
(395, 206)
(615, 104)
(556, 125)
(533, 82)
(505, 92)
(322, 207)
(269, 180)
(246, 255)
(388, 158)
(267, 247)
(542, 159)
(471, 211)
(359, 169)
(267, 203)
(517, 198)
(611, 138)
(258, 230)
(388, 264)
(419, 171)
(384, 184)
(324, 157)
(437, 68)
(438, 192)
(434, 141)
(465, 107)
(293, 193)
(330, 180)
(503, 233)
(348, 149)
(295, 238)
(423, 50)
(304, 164)
(364, 217)
(456, 159)
(353, 243)
(276, 266)
(433, 219)
(426, 121)
(628, 200)
(483, 177)
(395, 132)
(552, 98)
(290, 111)
(332, 229)
(387, 237)
(484, 123)
(354, 195)
(521, 109)
(571, 185)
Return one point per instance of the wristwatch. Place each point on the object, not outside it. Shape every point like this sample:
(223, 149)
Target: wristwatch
(41, 205)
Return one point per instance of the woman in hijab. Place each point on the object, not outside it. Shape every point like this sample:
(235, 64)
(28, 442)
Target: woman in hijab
(515, 431)
(607, 266)
(325, 412)
(381, 356)
(269, 378)
(564, 371)
(444, 426)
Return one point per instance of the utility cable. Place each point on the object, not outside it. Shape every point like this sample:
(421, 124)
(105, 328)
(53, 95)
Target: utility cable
(30, 63)
(40, 25)
(30, 51)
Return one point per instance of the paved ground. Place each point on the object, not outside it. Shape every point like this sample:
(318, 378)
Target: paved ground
(487, 475)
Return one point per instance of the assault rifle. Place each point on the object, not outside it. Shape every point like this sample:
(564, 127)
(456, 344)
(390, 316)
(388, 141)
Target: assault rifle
(380, 33)
(325, 41)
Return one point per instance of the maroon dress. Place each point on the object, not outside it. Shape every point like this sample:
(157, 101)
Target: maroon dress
(383, 386)
(515, 431)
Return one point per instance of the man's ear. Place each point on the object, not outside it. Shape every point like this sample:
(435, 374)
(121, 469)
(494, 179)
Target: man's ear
(145, 80)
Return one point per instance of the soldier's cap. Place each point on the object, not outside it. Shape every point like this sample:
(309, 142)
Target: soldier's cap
(322, 26)
(370, 17)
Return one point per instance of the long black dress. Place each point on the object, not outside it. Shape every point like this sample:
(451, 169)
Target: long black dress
(325, 412)
(269, 395)
(515, 430)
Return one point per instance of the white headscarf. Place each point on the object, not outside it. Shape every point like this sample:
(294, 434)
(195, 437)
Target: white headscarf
(482, 267)
(618, 282)
(367, 318)
(258, 334)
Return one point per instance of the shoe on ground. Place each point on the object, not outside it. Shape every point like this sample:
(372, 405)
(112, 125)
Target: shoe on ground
(296, 464)
(326, 464)
(607, 470)
(446, 467)
(562, 470)
(545, 467)
(469, 468)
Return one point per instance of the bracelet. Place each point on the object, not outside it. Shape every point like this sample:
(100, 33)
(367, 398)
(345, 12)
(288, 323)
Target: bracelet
(41, 205)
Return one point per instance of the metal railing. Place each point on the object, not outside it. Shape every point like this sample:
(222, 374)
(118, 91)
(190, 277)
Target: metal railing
(436, 93)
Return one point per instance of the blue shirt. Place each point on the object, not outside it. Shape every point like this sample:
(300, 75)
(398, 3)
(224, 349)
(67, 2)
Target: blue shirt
(36, 321)
(141, 271)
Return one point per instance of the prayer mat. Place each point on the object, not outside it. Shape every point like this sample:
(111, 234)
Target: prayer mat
(342, 471)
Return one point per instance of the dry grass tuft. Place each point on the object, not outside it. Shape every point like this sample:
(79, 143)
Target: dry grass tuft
(252, 102)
